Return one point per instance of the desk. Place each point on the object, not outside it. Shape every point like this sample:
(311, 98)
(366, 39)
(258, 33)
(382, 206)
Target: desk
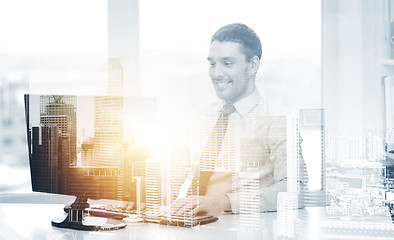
(33, 221)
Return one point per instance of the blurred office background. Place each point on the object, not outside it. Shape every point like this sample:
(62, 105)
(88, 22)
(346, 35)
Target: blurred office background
(329, 55)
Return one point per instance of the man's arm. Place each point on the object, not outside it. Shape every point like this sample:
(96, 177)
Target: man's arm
(276, 136)
(278, 155)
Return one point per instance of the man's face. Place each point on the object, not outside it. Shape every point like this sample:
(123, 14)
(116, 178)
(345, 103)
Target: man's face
(230, 71)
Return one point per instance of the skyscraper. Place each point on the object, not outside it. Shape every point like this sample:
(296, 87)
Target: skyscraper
(61, 111)
(153, 187)
(108, 121)
(49, 159)
(54, 143)
(249, 198)
(286, 215)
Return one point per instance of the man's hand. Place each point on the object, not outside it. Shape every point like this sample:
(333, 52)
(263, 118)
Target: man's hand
(213, 205)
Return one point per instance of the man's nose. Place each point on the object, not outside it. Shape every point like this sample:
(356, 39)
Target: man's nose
(217, 72)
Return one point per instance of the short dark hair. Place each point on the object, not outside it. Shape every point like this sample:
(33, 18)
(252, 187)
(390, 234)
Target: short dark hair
(242, 34)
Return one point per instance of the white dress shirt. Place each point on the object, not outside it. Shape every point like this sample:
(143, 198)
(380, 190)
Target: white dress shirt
(253, 143)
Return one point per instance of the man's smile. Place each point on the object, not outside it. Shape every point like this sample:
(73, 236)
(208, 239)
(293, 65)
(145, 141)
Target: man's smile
(222, 84)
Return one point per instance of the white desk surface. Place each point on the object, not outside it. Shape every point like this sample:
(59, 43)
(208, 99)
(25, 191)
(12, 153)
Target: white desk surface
(33, 221)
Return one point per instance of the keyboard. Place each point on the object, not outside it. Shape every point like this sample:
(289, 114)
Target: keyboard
(180, 221)
(117, 212)
(100, 211)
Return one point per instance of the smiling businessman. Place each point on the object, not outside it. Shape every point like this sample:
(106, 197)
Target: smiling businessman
(236, 135)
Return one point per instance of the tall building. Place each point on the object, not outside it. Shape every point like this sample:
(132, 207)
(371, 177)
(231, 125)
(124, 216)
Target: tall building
(108, 118)
(49, 158)
(108, 122)
(108, 134)
(108, 131)
(153, 187)
(53, 144)
(61, 111)
(63, 163)
(249, 199)
(286, 214)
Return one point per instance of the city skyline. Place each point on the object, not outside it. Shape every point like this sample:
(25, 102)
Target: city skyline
(139, 113)
(53, 129)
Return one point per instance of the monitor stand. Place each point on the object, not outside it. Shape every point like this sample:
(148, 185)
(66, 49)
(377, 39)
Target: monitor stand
(76, 218)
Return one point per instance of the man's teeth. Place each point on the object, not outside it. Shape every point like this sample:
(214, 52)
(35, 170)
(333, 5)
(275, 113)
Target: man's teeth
(222, 82)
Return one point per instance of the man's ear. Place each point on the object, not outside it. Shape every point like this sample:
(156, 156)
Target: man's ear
(254, 64)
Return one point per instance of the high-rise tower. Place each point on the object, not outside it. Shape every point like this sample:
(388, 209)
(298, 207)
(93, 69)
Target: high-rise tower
(108, 122)
(153, 187)
(108, 118)
(108, 131)
(61, 111)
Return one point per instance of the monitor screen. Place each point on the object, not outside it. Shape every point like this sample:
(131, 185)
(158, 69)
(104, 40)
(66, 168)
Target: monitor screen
(88, 145)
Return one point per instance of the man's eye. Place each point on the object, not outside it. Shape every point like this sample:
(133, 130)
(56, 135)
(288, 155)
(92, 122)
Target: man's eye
(228, 64)
(212, 64)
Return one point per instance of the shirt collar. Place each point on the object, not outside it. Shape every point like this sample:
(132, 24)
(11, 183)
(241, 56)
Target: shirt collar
(245, 105)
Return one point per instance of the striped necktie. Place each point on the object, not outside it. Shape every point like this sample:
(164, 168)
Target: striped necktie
(215, 142)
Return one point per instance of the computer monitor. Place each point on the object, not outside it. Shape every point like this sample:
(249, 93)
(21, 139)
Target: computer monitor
(88, 146)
